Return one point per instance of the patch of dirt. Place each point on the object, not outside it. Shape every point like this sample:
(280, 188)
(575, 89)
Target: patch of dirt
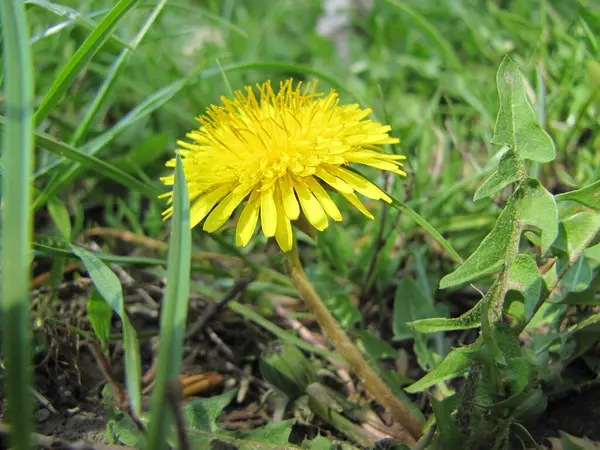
(577, 414)
(86, 425)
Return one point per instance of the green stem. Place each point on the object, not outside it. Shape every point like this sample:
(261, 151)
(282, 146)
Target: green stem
(346, 348)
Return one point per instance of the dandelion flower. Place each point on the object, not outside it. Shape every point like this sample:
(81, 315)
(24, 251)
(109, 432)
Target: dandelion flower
(279, 152)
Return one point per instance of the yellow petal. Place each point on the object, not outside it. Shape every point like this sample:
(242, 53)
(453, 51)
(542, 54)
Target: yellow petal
(248, 220)
(359, 184)
(284, 229)
(203, 205)
(352, 198)
(324, 199)
(310, 205)
(290, 202)
(333, 181)
(168, 180)
(268, 212)
(224, 209)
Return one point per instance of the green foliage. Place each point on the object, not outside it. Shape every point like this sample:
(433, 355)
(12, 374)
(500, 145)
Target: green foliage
(109, 287)
(17, 219)
(120, 82)
(503, 378)
(174, 310)
(99, 314)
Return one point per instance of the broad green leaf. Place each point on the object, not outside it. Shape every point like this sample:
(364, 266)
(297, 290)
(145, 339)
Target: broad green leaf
(593, 253)
(99, 314)
(569, 442)
(109, 287)
(455, 364)
(174, 309)
(517, 125)
(271, 433)
(321, 443)
(121, 430)
(508, 172)
(450, 435)
(202, 414)
(410, 304)
(585, 297)
(491, 253)
(374, 346)
(60, 215)
(579, 231)
(579, 277)
(538, 209)
(82, 56)
(588, 196)
(200, 418)
(524, 277)
(470, 319)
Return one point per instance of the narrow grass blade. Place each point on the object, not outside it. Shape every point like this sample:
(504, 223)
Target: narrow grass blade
(73, 16)
(81, 57)
(174, 311)
(15, 260)
(195, 11)
(70, 171)
(114, 72)
(280, 333)
(400, 206)
(90, 162)
(65, 24)
(109, 287)
(431, 33)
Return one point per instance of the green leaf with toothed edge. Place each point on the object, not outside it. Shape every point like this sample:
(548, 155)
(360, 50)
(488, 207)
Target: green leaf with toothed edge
(508, 172)
(588, 196)
(517, 125)
(455, 364)
(490, 254)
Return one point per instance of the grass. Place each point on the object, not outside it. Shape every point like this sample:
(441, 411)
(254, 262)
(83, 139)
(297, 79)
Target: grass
(17, 161)
(117, 84)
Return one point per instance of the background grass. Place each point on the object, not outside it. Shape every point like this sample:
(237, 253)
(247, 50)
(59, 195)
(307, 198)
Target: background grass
(117, 84)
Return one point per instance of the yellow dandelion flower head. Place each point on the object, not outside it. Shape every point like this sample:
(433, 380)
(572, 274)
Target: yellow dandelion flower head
(278, 151)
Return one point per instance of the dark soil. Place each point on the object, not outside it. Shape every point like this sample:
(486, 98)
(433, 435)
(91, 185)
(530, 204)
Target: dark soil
(577, 414)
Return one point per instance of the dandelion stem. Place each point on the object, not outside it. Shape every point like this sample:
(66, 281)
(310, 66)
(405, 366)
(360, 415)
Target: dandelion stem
(346, 348)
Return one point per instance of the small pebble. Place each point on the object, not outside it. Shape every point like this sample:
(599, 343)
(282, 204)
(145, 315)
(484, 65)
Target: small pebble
(41, 415)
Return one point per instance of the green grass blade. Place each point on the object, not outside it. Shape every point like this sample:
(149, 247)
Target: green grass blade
(109, 287)
(59, 250)
(195, 11)
(90, 162)
(174, 311)
(400, 206)
(73, 17)
(114, 72)
(431, 33)
(280, 333)
(144, 109)
(81, 57)
(18, 144)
